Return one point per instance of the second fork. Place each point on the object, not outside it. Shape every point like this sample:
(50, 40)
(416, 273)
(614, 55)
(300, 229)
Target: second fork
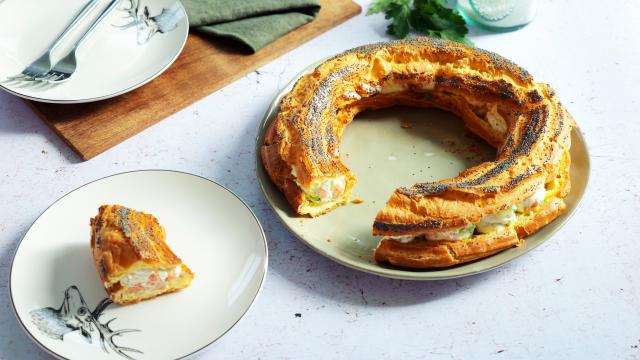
(65, 68)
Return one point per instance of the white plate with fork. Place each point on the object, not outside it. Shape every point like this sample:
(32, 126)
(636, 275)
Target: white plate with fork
(134, 43)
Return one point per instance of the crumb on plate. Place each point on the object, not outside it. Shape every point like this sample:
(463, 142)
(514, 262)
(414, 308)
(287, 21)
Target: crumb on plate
(406, 124)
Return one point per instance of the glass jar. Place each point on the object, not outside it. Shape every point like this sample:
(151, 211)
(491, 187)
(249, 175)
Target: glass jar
(498, 15)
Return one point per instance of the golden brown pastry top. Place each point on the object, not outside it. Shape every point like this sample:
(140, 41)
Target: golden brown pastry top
(479, 86)
(122, 237)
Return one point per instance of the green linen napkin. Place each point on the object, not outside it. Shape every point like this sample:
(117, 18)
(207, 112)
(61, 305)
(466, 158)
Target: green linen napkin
(256, 23)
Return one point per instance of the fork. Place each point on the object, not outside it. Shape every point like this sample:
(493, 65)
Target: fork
(41, 66)
(64, 68)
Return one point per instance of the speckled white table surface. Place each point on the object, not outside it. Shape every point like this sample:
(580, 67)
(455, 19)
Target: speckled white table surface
(577, 296)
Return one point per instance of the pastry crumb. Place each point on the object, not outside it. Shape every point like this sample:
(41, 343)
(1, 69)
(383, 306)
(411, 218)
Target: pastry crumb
(357, 201)
(347, 154)
(406, 124)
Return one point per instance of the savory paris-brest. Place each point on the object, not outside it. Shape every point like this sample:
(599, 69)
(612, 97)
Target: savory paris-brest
(132, 258)
(483, 210)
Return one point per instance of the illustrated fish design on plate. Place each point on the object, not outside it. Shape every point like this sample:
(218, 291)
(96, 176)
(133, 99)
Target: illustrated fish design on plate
(74, 315)
(146, 25)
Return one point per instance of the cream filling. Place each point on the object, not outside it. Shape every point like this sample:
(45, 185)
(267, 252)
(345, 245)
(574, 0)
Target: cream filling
(495, 120)
(352, 95)
(498, 221)
(532, 201)
(324, 190)
(149, 277)
(461, 233)
(490, 223)
(392, 87)
(490, 113)
(328, 189)
(402, 238)
(371, 89)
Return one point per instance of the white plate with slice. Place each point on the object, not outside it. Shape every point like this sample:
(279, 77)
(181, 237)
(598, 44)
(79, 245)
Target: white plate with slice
(125, 52)
(55, 288)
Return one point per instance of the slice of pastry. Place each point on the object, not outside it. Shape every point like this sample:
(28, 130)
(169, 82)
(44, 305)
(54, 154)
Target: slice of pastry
(131, 256)
(478, 235)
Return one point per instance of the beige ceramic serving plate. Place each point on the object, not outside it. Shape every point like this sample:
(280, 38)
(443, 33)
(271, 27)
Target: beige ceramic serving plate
(396, 147)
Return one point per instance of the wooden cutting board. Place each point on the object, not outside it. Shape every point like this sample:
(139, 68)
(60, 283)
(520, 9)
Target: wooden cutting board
(205, 65)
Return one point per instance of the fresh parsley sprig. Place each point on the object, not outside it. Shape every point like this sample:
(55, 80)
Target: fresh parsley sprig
(430, 17)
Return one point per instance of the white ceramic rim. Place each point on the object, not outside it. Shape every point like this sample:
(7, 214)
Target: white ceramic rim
(117, 93)
(253, 301)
